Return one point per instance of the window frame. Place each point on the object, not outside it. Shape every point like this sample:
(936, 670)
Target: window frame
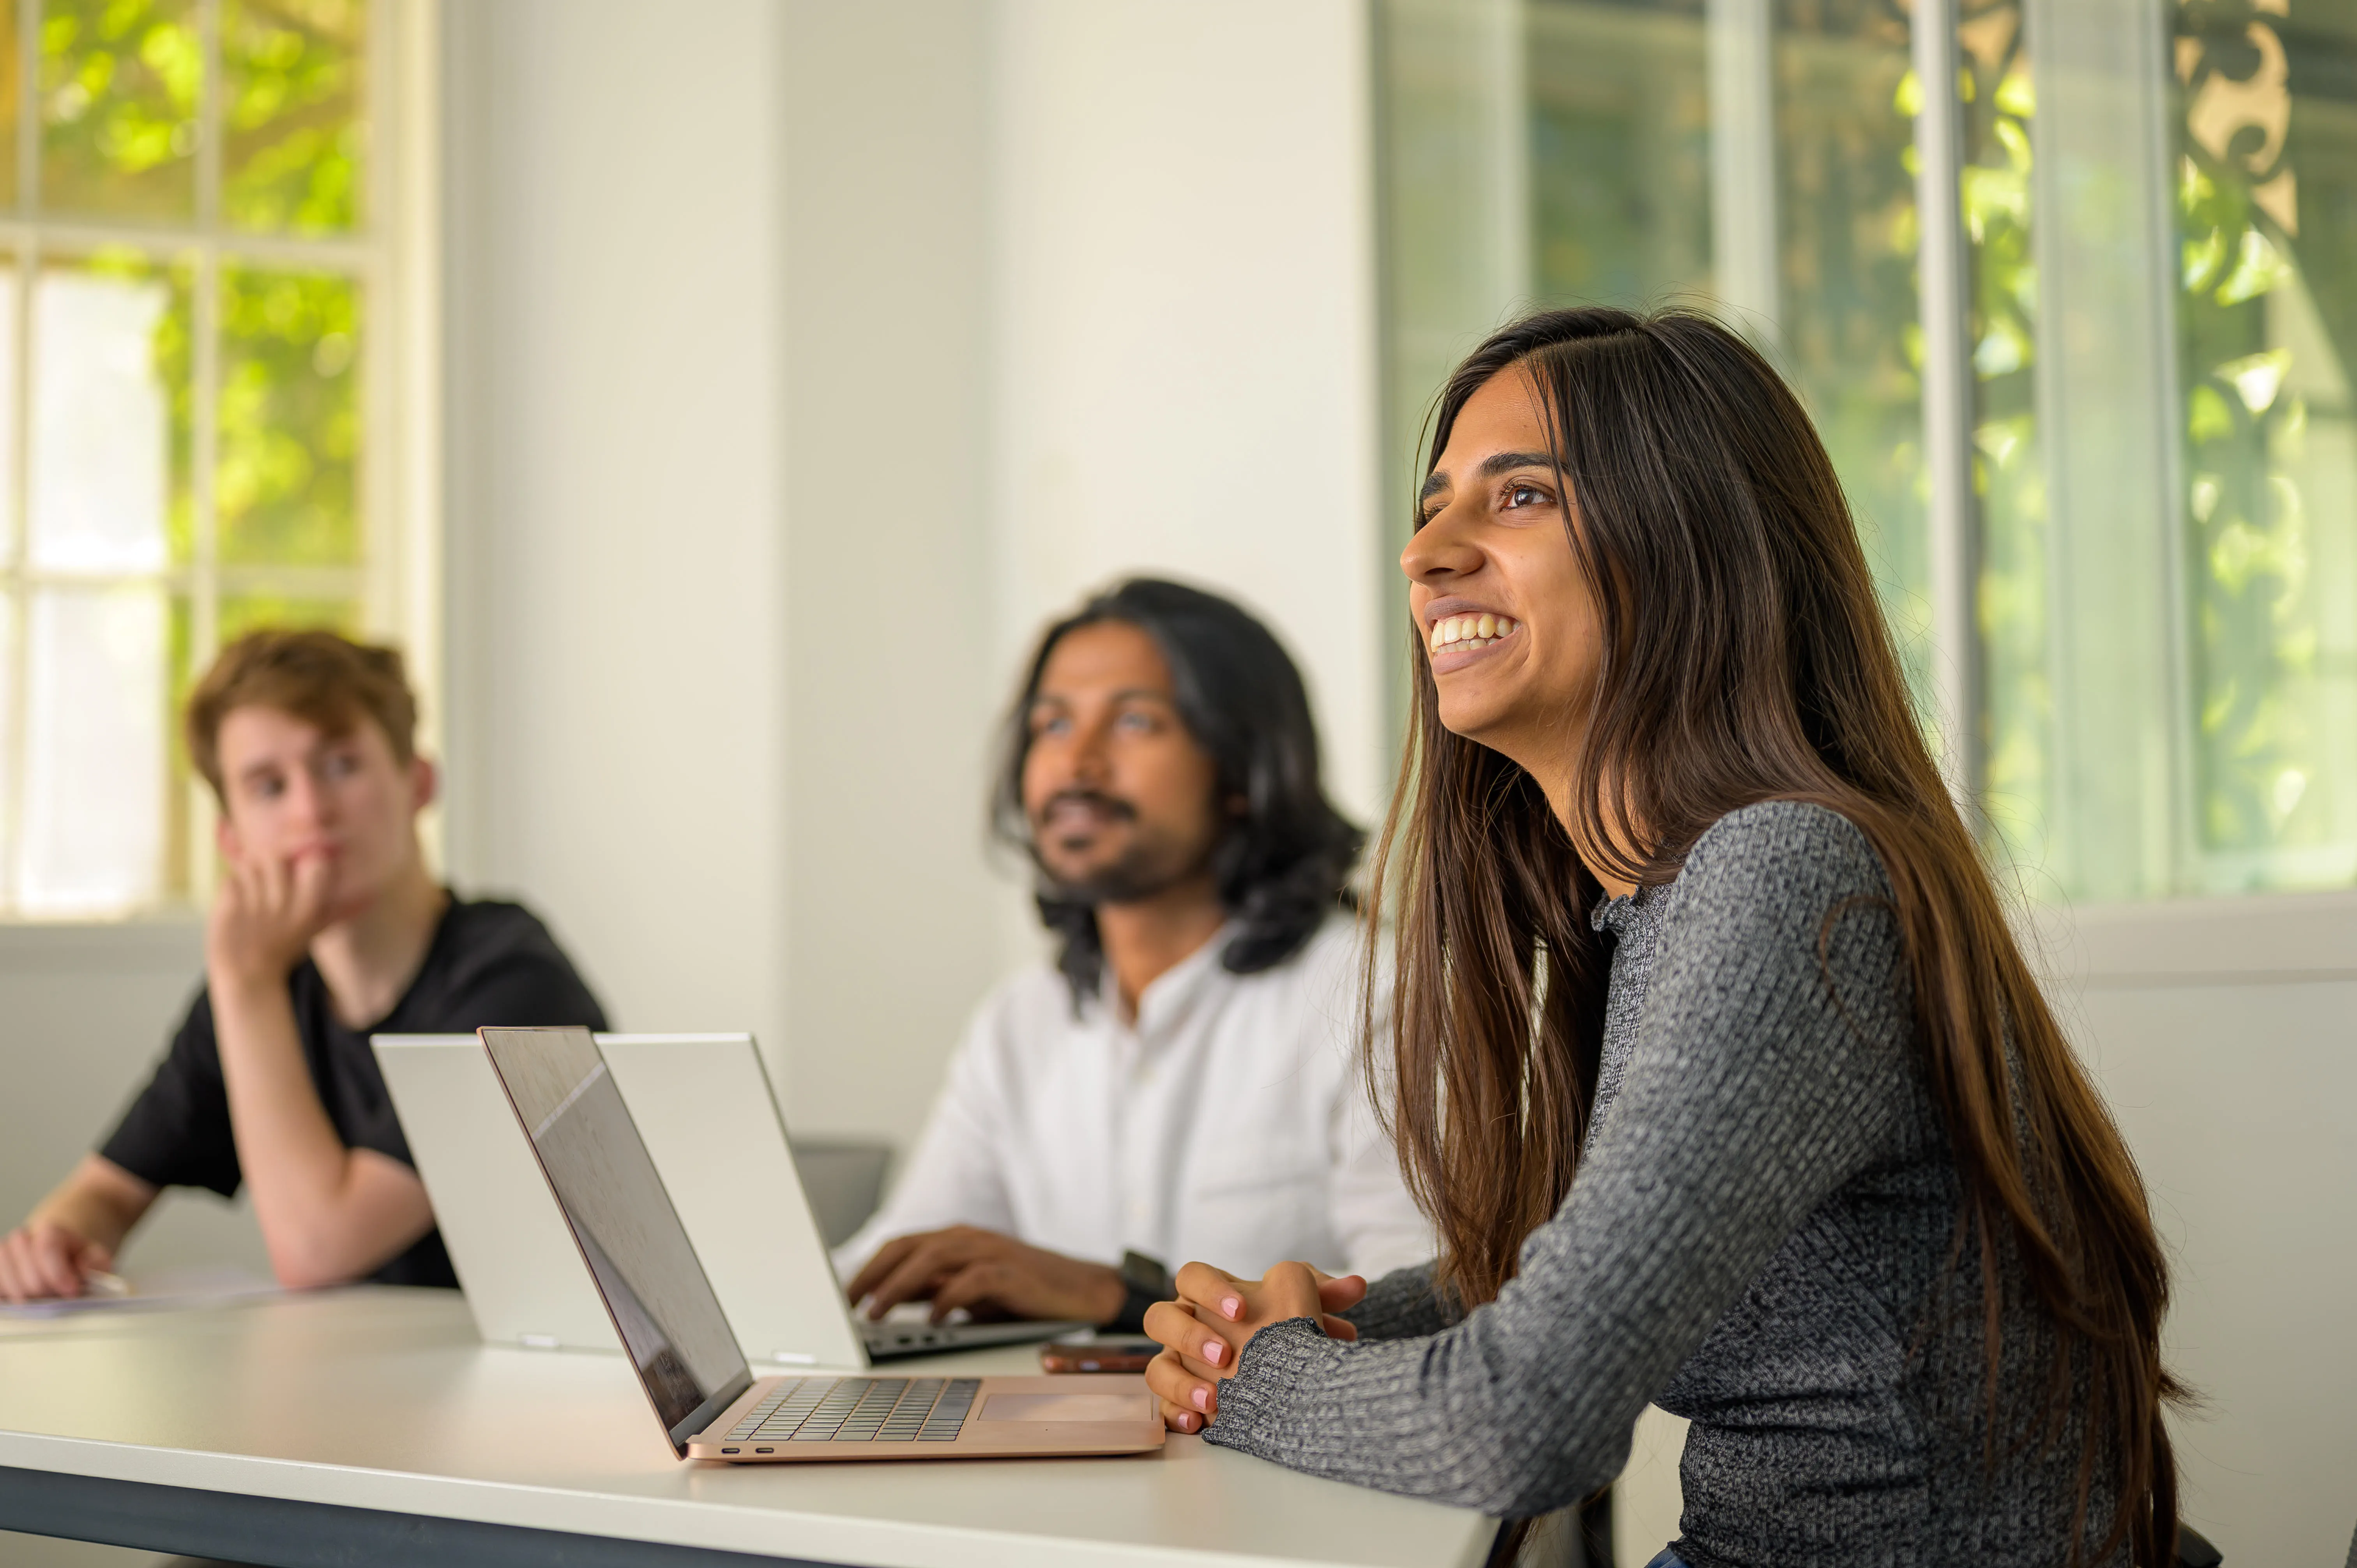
(1954, 690)
(2164, 944)
(395, 260)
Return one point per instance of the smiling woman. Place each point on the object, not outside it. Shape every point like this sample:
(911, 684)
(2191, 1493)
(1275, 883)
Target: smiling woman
(1720, 1071)
(1491, 547)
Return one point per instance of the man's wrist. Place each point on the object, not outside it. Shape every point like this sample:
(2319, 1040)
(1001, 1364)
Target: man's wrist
(1144, 1281)
(1113, 1299)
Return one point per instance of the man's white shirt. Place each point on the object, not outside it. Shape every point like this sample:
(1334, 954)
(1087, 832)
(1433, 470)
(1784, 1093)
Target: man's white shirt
(1229, 1123)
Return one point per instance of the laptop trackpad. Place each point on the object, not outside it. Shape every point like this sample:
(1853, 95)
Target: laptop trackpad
(1068, 1407)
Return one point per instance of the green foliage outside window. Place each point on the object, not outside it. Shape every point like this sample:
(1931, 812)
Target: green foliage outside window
(1845, 265)
(119, 82)
(293, 137)
(2267, 304)
(290, 418)
(2267, 212)
(1998, 109)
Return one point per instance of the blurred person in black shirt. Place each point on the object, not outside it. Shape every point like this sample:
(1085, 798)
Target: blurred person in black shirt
(327, 928)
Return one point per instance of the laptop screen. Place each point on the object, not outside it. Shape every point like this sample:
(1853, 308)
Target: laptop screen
(663, 1307)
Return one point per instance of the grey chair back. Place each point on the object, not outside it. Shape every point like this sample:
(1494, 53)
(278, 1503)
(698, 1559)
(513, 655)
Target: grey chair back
(844, 1179)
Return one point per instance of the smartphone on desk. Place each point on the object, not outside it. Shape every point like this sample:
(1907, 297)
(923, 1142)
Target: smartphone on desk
(1109, 1354)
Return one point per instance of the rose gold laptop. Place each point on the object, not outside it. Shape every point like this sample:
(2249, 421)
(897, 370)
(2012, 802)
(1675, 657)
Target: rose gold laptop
(678, 1338)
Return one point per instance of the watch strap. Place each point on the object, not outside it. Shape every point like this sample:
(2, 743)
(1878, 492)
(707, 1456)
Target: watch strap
(1144, 1281)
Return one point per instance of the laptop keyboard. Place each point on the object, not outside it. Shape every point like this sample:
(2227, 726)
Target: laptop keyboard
(855, 1410)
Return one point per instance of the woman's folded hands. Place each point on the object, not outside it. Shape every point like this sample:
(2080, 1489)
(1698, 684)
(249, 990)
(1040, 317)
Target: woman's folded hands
(1204, 1332)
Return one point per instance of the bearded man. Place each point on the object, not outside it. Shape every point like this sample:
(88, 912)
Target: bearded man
(1183, 1081)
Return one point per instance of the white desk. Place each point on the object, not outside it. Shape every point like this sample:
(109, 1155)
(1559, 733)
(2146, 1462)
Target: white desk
(369, 1426)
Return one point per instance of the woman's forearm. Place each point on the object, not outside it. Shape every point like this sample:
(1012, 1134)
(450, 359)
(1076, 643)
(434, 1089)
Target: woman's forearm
(1404, 1304)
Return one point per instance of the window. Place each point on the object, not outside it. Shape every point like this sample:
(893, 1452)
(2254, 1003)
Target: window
(2070, 288)
(197, 298)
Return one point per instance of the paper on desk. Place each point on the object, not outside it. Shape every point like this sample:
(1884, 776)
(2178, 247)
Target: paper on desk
(165, 1288)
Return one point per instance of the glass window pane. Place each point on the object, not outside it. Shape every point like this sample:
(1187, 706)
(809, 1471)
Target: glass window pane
(2008, 482)
(95, 725)
(2267, 184)
(241, 612)
(119, 84)
(1619, 151)
(293, 72)
(109, 479)
(1845, 322)
(288, 480)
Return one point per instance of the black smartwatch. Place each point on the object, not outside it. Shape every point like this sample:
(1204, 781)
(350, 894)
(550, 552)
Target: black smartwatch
(1146, 1281)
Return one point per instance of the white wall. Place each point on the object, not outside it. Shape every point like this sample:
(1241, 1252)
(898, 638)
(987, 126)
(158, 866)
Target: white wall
(2224, 1035)
(616, 618)
(894, 924)
(1185, 310)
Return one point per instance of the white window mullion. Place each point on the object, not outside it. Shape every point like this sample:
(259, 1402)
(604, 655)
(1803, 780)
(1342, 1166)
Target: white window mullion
(1744, 247)
(372, 489)
(209, 118)
(81, 234)
(1944, 291)
(403, 226)
(28, 106)
(204, 369)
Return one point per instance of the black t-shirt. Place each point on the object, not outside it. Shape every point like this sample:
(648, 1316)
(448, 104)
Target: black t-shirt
(488, 963)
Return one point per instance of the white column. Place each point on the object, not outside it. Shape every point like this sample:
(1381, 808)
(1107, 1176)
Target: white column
(1945, 281)
(1743, 241)
(1184, 347)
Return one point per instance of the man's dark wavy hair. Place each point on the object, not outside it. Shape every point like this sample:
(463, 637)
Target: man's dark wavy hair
(1286, 862)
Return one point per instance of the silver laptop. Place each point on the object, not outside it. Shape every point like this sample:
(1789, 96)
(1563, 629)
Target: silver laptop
(678, 1339)
(703, 1106)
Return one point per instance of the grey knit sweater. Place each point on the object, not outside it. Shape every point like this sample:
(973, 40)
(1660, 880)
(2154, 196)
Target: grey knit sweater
(1759, 1238)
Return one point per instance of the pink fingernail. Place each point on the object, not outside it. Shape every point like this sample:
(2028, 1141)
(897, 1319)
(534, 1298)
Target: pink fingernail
(1231, 1306)
(1214, 1352)
(1202, 1397)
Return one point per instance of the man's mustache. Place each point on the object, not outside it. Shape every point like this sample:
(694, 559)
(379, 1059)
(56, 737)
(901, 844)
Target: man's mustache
(1110, 805)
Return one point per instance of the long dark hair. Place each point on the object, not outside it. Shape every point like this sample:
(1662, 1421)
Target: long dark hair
(1744, 658)
(1285, 862)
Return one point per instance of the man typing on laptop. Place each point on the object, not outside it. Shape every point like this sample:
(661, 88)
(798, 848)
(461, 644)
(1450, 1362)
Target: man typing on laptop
(328, 926)
(1162, 770)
